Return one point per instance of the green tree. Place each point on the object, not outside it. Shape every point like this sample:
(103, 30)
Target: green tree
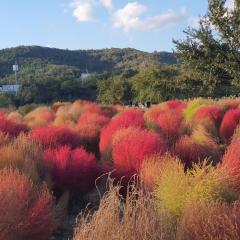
(211, 53)
(4, 100)
(114, 89)
(156, 84)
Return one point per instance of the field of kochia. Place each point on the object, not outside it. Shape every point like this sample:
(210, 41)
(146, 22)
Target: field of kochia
(168, 172)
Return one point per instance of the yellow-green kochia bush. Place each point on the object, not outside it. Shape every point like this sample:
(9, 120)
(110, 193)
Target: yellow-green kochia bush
(203, 183)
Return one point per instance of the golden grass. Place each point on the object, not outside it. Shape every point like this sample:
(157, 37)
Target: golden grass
(134, 218)
(213, 221)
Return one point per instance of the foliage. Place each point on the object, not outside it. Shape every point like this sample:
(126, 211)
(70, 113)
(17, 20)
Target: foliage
(55, 137)
(39, 117)
(127, 118)
(11, 128)
(156, 84)
(229, 123)
(210, 53)
(152, 168)
(27, 211)
(74, 170)
(24, 155)
(203, 183)
(114, 89)
(4, 100)
(131, 150)
(231, 158)
(197, 147)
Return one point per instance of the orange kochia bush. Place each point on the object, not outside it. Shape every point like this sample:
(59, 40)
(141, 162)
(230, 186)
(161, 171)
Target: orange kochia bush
(74, 170)
(89, 127)
(27, 211)
(53, 137)
(133, 147)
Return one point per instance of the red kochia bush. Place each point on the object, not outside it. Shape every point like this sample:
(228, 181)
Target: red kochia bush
(210, 113)
(27, 211)
(74, 170)
(169, 122)
(11, 128)
(131, 150)
(231, 158)
(53, 137)
(229, 123)
(128, 118)
(195, 148)
(175, 104)
(189, 151)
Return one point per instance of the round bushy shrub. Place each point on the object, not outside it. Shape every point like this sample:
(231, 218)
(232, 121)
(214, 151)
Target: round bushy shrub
(177, 188)
(24, 155)
(152, 168)
(131, 149)
(89, 127)
(169, 123)
(175, 104)
(27, 211)
(11, 128)
(229, 123)
(53, 137)
(40, 117)
(127, 118)
(74, 170)
(197, 147)
(231, 159)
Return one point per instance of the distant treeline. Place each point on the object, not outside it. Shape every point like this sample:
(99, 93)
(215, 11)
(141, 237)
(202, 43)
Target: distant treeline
(208, 65)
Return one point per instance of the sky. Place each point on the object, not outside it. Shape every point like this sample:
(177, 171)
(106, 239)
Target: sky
(146, 25)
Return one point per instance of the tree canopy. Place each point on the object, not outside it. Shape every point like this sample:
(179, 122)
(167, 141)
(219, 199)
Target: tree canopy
(211, 53)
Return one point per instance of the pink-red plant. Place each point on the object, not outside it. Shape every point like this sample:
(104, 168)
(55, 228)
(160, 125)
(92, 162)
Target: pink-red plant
(74, 170)
(230, 121)
(11, 128)
(197, 147)
(231, 158)
(175, 104)
(53, 137)
(169, 122)
(210, 113)
(131, 149)
(27, 211)
(127, 118)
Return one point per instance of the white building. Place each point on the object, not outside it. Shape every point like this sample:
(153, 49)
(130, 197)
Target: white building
(14, 88)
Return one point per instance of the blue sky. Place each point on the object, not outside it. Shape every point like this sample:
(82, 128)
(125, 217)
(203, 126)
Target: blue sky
(92, 24)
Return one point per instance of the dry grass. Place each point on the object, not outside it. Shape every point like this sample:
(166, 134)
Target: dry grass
(213, 221)
(134, 218)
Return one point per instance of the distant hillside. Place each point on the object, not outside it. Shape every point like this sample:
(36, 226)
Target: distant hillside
(41, 62)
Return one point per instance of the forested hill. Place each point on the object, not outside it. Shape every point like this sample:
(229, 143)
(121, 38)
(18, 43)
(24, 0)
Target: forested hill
(34, 59)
